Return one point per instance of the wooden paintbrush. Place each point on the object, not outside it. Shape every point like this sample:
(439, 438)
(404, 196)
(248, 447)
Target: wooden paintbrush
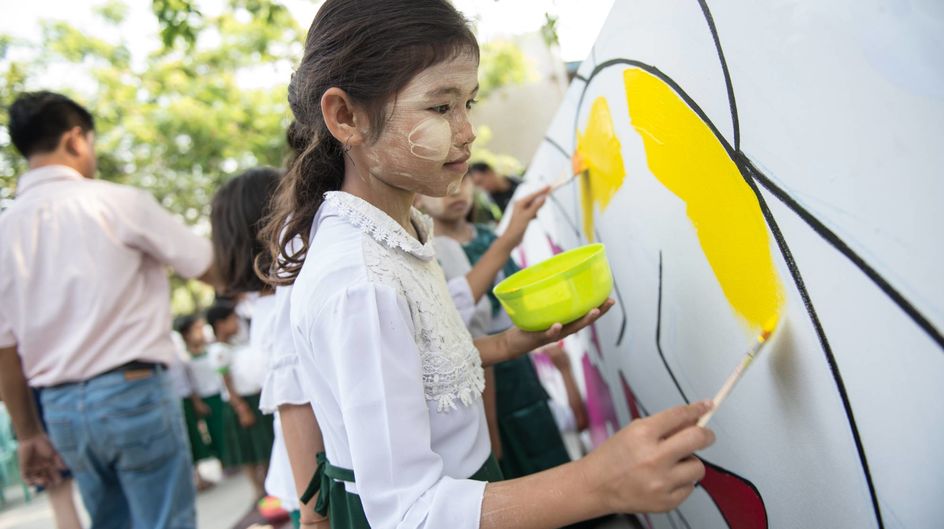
(739, 370)
(578, 167)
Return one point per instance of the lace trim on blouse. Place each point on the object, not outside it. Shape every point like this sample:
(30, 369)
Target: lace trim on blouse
(452, 366)
(381, 227)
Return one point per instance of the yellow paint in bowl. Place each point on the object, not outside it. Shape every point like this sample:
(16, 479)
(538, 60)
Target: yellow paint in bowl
(561, 289)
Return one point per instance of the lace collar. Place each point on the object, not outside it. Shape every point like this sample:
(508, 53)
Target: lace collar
(381, 227)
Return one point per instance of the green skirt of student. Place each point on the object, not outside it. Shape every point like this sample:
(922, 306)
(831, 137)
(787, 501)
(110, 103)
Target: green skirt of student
(344, 509)
(215, 422)
(199, 445)
(531, 441)
(247, 446)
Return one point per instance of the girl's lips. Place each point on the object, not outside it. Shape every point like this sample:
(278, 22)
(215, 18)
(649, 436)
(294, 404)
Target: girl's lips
(461, 165)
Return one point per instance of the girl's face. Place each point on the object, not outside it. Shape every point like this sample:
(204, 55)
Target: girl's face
(195, 338)
(425, 143)
(452, 207)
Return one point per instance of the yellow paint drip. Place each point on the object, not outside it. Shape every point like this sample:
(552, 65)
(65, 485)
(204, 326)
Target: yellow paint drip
(600, 162)
(684, 154)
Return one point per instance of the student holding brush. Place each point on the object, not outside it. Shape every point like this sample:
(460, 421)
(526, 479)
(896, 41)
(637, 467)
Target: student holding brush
(384, 91)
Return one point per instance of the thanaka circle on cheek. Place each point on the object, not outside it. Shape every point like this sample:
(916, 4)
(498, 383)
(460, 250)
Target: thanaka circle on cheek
(430, 139)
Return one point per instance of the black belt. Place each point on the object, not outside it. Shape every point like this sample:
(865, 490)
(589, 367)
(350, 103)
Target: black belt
(134, 365)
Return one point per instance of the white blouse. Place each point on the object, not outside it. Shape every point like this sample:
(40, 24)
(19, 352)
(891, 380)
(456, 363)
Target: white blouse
(204, 377)
(284, 378)
(395, 379)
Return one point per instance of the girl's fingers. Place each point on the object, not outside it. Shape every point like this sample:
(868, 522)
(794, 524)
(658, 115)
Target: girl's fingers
(688, 440)
(687, 472)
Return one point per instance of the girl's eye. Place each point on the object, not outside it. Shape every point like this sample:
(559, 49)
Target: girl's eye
(470, 103)
(442, 109)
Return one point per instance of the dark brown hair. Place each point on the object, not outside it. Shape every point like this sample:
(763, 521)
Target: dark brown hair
(39, 119)
(370, 49)
(238, 211)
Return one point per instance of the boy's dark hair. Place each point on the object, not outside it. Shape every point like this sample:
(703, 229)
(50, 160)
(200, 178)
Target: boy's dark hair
(39, 119)
(183, 324)
(219, 311)
(237, 213)
(480, 167)
(370, 49)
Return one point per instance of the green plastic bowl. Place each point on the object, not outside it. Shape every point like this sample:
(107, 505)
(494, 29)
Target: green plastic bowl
(561, 289)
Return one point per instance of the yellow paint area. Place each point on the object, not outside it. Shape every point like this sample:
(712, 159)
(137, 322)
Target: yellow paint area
(599, 162)
(685, 155)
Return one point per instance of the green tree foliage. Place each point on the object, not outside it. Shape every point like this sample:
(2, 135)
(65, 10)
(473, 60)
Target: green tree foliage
(182, 121)
(211, 101)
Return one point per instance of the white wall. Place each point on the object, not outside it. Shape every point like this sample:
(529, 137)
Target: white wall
(835, 130)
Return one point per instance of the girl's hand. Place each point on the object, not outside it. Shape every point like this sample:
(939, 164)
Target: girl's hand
(649, 465)
(522, 213)
(518, 342)
(201, 408)
(245, 415)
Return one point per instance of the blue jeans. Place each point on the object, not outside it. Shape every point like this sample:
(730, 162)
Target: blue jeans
(126, 443)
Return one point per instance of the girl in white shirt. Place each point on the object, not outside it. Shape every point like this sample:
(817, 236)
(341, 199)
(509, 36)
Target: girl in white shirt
(237, 209)
(384, 90)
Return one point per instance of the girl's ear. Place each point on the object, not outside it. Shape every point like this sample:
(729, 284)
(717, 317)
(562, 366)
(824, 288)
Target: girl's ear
(345, 120)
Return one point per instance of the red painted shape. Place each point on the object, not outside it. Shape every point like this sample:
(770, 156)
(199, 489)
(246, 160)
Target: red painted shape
(600, 409)
(737, 499)
(630, 397)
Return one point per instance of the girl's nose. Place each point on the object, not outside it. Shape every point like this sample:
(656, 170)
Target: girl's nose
(465, 132)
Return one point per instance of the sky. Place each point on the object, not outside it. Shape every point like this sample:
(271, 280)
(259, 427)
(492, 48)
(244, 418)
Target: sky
(578, 25)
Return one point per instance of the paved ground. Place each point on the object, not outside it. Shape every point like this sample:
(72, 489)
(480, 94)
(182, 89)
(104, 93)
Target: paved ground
(217, 508)
(220, 507)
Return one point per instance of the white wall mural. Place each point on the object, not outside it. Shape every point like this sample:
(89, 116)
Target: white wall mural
(746, 162)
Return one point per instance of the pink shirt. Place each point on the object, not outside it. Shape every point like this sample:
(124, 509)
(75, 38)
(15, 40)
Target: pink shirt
(83, 284)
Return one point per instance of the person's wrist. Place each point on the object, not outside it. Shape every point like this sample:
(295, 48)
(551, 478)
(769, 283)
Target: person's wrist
(585, 478)
(509, 240)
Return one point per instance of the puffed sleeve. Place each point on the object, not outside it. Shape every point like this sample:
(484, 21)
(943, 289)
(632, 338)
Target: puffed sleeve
(399, 479)
(283, 381)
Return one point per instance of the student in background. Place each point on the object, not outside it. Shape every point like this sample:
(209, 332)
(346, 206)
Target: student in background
(202, 402)
(529, 440)
(238, 209)
(85, 316)
(385, 89)
(500, 188)
(247, 433)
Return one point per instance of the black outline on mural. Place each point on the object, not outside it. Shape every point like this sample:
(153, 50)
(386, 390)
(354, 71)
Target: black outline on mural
(828, 235)
(659, 336)
(752, 175)
(784, 250)
(735, 123)
(845, 250)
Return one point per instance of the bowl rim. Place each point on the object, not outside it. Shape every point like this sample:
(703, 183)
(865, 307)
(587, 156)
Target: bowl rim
(579, 267)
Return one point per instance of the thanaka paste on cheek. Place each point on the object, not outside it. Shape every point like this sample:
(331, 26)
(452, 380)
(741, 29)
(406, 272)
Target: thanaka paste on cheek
(431, 139)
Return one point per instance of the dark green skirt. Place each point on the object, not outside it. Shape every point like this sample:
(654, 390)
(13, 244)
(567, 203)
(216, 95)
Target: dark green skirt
(344, 509)
(199, 446)
(215, 423)
(247, 446)
(529, 436)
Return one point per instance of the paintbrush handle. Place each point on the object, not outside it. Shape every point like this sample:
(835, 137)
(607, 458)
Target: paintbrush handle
(561, 182)
(729, 385)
